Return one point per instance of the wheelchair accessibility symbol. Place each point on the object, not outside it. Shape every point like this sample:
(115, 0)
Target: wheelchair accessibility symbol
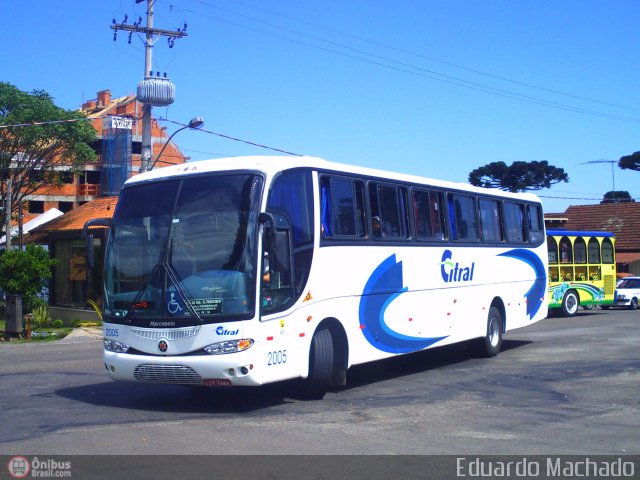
(173, 306)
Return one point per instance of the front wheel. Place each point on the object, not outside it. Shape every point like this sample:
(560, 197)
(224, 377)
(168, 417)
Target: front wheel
(320, 366)
(492, 342)
(570, 304)
(634, 304)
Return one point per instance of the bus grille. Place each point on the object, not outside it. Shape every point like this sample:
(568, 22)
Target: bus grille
(180, 374)
(174, 334)
(609, 285)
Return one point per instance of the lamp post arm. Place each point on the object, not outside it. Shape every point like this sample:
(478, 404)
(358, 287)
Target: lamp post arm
(165, 146)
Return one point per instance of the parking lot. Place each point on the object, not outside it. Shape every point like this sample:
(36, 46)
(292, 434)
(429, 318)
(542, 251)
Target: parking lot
(561, 386)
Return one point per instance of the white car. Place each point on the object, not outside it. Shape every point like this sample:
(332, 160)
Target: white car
(628, 293)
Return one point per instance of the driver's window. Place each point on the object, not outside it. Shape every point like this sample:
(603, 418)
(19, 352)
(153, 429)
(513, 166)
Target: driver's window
(291, 198)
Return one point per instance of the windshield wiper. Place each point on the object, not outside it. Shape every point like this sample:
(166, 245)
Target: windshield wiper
(175, 278)
(164, 264)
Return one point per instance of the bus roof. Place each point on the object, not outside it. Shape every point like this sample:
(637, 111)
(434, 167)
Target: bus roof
(578, 233)
(271, 164)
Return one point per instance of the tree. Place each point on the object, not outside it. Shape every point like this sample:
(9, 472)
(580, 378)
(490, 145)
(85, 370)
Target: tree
(518, 177)
(24, 272)
(31, 154)
(617, 196)
(631, 162)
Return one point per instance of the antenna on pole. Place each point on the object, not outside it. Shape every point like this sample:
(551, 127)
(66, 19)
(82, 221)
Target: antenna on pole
(613, 176)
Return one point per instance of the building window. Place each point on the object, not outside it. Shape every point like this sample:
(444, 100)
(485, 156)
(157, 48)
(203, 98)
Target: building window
(65, 207)
(36, 206)
(66, 177)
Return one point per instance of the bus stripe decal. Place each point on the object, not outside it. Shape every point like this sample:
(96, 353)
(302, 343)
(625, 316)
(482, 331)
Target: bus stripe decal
(536, 293)
(383, 287)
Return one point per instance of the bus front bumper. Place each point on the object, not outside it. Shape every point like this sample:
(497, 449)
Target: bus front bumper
(199, 370)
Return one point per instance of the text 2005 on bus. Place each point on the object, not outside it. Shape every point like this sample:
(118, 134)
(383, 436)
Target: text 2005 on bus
(246, 271)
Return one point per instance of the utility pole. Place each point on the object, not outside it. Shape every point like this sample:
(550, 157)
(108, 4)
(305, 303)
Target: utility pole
(152, 91)
(7, 209)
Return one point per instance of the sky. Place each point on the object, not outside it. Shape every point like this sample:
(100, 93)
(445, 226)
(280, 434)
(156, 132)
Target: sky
(426, 87)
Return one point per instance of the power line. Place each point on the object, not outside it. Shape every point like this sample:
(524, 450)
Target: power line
(426, 57)
(235, 139)
(416, 70)
(50, 122)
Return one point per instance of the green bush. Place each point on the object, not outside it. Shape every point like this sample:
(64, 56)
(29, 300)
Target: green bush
(41, 317)
(24, 272)
(58, 323)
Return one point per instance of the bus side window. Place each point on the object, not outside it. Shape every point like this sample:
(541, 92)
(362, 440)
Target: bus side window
(342, 207)
(462, 212)
(535, 223)
(421, 214)
(428, 214)
(388, 205)
(514, 222)
(607, 251)
(566, 253)
(438, 216)
(552, 249)
(593, 251)
(490, 220)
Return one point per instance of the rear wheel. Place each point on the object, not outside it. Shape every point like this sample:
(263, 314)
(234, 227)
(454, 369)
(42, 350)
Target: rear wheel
(634, 304)
(492, 342)
(320, 366)
(570, 304)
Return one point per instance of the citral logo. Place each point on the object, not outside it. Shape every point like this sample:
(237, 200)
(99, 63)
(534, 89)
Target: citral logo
(452, 271)
(223, 331)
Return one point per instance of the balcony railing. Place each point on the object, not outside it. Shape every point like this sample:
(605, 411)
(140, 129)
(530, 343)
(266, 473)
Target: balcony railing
(87, 189)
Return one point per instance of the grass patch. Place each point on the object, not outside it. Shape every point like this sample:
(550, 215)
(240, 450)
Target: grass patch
(41, 335)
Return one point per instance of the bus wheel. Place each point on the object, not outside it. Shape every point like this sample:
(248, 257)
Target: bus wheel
(492, 342)
(570, 304)
(320, 366)
(634, 304)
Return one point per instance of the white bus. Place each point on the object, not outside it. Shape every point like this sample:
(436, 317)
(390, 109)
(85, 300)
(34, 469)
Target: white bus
(246, 271)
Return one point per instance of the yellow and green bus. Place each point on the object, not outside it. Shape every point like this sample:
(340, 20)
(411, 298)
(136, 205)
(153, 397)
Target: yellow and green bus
(582, 270)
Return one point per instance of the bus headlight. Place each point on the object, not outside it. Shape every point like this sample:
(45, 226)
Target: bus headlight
(114, 346)
(230, 346)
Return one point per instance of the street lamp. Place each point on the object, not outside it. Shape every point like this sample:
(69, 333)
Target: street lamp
(194, 123)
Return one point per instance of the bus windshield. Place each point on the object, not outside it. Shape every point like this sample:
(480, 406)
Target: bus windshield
(183, 251)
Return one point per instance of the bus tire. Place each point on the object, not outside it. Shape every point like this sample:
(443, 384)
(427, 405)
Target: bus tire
(634, 304)
(320, 366)
(491, 344)
(570, 303)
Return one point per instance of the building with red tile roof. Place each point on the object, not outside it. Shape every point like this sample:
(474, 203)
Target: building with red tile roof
(73, 283)
(118, 148)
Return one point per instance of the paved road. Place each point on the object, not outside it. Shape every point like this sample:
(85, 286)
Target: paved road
(562, 386)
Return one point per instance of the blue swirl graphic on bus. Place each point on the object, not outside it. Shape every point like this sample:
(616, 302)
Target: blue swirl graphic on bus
(537, 291)
(383, 287)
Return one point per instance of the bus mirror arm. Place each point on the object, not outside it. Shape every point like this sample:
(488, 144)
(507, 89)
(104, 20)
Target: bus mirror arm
(104, 222)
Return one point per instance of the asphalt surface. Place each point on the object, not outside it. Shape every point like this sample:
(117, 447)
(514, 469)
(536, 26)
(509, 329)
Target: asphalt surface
(561, 386)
